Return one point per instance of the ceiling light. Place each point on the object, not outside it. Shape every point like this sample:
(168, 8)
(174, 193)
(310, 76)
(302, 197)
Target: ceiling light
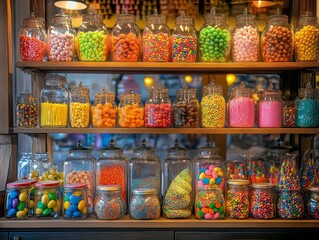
(71, 4)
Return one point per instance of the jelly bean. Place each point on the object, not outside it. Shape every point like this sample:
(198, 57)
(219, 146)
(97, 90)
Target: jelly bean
(61, 47)
(210, 177)
(12, 212)
(38, 211)
(31, 48)
(79, 114)
(77, 214)
(31, 204)
(66, 205)
(184, 48)
(45, 199)
(246, 44)
(67, 196)
(15, 202)
(21, 206)
(41, 205)
(23, 196)
(156, 47)
(22, 214)
(213, 109)
(126, 47)
(13, 194)
(46, 212)
(51, 204)
(131, 116)
(256, 171)
(74, 200)
(54, 114)
(103, 115)
(307, 43)
(81, 205)
(158, 115)
(27, 115)
(242, 112)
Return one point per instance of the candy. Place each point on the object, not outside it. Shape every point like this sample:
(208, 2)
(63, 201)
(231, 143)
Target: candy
(31, 48)
(125, 47)
(61, 47)
(212, 176)
(74, 205)
(17, 204)
(146, 182)
(246, 44)
(47, 204)
(256, 171)
(262, 204)
(307, 43)
(186, 114)
(79, 114)
(131, 116)
(307, 113)
(156, 47)
(158, 115)
(290, 205)
(52, 175)
(27, 114)
(236, 170)
(109, 207)
(270, 114)
(237, 203)
(289, 111)
(313, 204)
(184, 48)
(309, 174)
(103, 115)
(54, 115)
(242, 112)
(289, 174)
(213, 111)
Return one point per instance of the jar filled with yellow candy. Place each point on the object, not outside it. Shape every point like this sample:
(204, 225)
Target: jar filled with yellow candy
(80, 106)
(307, 38)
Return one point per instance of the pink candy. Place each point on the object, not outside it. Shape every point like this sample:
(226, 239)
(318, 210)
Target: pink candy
(242, 112)
(61, 47)
(245, 44)
(215, 175)
(270, 114)
(211, 168)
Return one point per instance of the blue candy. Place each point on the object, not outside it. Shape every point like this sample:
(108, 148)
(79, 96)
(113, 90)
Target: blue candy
(205, 181)
(77, 214)
(218, 180)
(15, 203)
(74, 200)
(9, 204)
(13, 194)
(12, 212)
(73, 208)
(202, 170)
(68, 213)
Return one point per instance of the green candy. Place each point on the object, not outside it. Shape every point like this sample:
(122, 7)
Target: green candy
(47, 212)
(212, 206)
(201, 214)
(41, 205)
(198, 204)
(52, 196)
(21, 206)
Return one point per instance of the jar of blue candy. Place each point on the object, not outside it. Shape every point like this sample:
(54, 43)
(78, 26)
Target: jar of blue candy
(290, 204)
(75, 204)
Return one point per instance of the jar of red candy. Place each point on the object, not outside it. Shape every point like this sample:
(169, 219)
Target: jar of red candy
(184, 40)
(289, 111)
(277, 41)
(32, 40)
(313, 203)
(263, 201)
(156, 39)
(237, 199)
(61, 38)
(27, 110)
(236, 169)
(246, 39)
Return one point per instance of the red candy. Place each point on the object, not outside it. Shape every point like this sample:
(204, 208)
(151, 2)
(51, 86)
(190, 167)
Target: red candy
(31, 48)
(158, 115)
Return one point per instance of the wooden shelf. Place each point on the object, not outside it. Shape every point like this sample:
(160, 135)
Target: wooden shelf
(172, 68)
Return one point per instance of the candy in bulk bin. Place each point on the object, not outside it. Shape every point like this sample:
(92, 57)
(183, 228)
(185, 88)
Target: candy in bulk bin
(256, 169)
(92, 39)
(290, 204)
(237, 199)
(245, 39)
(313, 203)
(178, 190)
(75, 204)
(214, 38)
(307, 38)
(184, 39)
(277, 40)
(24, 165)
(289, 173)
(289, 111)
(39, 166)
(263, 201)
(236, 169)
(126, 39)
(27, 110)
(156, 39)
(32, 40)
(61, 35)
(54, 102)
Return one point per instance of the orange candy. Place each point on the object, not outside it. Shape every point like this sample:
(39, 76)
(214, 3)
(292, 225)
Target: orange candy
(103, 115)
(131, 116)
(126, 47)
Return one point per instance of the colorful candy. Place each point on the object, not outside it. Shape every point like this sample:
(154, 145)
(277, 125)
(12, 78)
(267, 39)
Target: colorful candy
(184, 48)
(31, 48)
(27, 114)
(313, 203)
(270, 114)
(79, 114)
(213, 109)
(289, 111)
(54, 115)
(75, 201)
(61, 47)
(246, 44)
(242, 112)
(103, 115)
(158, 115)
(309, 174)
(125, 47)
(146, 182)
(256, 170)
(290, 205)
(211, 176)
(263, 202)
(289, 174)
(237, 199)
(156, 47)
(307, 43)
(236, 169)
(307, 112)
(131, 116)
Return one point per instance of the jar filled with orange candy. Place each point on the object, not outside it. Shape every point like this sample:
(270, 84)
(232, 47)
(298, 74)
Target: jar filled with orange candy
(131, 110)
(104, 110)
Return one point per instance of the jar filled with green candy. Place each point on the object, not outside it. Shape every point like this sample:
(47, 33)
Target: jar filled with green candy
(214, 38)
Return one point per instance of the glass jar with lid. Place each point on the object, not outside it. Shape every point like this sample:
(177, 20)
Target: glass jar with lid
(263, 201)
(61, 35)
(213, 106)
(236, 169)
(214, 38)
(27, 110)
(40, 165)
(277, 39)
(32, 40)
(241, 107)
(289, 111)
(131, 110)
(178, 189)
(92, 39)
(80, 106)
(79, 167)
(307, 38)
(109, 203)
(156, 39)
(289, 178)
(112, 168)
(313, 203)
(126, 39)
(24, 165)
(184, 39)
(290, 204)
(54, 102)
(104, 110)
(309, 170)
(256, 169)
(237, 199)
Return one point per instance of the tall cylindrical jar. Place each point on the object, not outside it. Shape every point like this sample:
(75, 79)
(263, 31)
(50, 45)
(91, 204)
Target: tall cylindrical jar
(237, 199)
(289, 111)
(27, 110)
(263, 201)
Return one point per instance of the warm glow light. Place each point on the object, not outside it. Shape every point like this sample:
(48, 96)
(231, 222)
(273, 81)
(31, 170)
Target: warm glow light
(263, 3)
(230, 79)
(188, 79)
(148, 81)
(71, 5)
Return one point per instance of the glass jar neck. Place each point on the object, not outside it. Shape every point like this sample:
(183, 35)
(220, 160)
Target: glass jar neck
(104, 193)
(80, 154)
(125, 18)
(118, 153)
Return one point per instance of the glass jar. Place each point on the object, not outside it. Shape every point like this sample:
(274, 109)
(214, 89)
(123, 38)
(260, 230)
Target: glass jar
(109, 203)
(144, 169)
(289, 111)
(277, 44)
(80, 106)
(241, 107)
(156, 39)
(213, 106)
(32, 40)
(309, 174)
(246, 39)
(92, 39)
(263, 201)
(184, 39)
(126, 39)
(17, 200)
(236, 169)
(307, 107)
(112, 168)
(24, 165)
(186, 109)
(290, 204)
(47, 199)
(27, 110)
(209, 203)
(131, 111)
(61, 35)
(145, 204)
(313, 203)
(54, 102)
(79, 167)
(307, 38)
(256, 169)
(289, 173)
(178, 190)
(104, 110)
(214, 38)
(32, 196)
(40, 165)
(237, 199)
(75, 201)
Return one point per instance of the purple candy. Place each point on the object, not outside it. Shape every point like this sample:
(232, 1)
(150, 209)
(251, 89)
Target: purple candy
(15, 202)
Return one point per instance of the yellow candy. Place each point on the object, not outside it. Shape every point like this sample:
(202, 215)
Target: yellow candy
(23, 197)
(26, 210)
(21, 214)
(45, 199)
(212, 181)
(79, 114)
(81, 205)
(77, 194)
(52, 204)
(57, 207)
(202, 176)
(38, 211)
(66, 205)
(31, 204)
(84, 210)
(217, 169)
(220, 174)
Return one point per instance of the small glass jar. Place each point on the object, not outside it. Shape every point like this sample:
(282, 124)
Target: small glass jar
(241, 107)
(313, 203)
(277, 40)
(256, 170)
(209, 203)
(237, 199)
(236, 169)
(186, 109)
(61, 35)
(104, 110)
(246, 39)
(24, 165)
(131, 111)
(214, 38)
(126, 39)
(156, 39)
(32, 40)
(40, 165)
(17, 200)
(184, 39)
(289, 111)
(80, 106)
(92, 39)
(263, 201)
(27, 110)
(112, 168)
(54, 102)
(109, 203)
(307, 38)
(47, 199)
(290, 204)
(75, 201)
(289, 178)
(213, 107)
(309, 173)
(145, 204)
